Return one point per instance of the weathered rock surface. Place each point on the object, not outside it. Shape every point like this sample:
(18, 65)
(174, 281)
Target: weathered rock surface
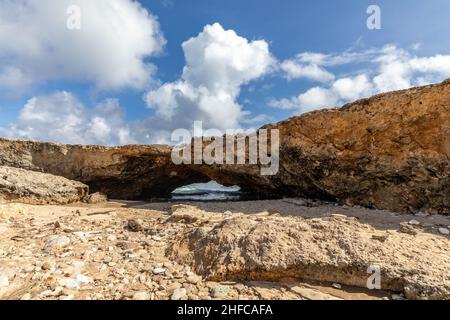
(391, 151)
(129, 172)
(88, 252)
(335, 249)
(38, 188)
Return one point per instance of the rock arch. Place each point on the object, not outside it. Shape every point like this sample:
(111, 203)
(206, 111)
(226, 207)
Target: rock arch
(387, 152)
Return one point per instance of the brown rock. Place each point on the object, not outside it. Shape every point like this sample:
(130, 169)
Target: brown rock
(134, 226)
(97, 198)
(322, 249)
(19, 185)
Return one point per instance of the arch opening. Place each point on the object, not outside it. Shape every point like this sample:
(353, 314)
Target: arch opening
(209, 191)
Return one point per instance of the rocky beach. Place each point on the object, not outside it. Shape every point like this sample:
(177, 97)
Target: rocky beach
(362, 187)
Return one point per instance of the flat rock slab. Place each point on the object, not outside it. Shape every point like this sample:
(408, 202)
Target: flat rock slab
(19, 185)
(333, 249)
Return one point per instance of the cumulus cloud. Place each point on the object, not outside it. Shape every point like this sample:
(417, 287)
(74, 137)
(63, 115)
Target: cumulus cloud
(314, 98)
(295, 70)
(394, 69)
(61, 117)
(110, 49)
(313, 65)
(218, 63)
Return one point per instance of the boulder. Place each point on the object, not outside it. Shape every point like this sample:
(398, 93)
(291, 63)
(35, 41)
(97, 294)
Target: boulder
(25, 186)
(333, 250)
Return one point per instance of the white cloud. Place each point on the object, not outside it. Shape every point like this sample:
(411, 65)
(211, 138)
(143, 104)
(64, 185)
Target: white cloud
(61, 117)
(218, 63)
(439, 64)
(395, 69)
(316, 98)
(116, 37)
(311, 65)
(349, 88)
(295, 70)
(312, 99)
(13, 81)
(394, 72)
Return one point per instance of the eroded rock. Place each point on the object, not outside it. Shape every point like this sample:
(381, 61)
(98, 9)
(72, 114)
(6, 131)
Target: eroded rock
(19, 185)
(391, 151)
(325, 249)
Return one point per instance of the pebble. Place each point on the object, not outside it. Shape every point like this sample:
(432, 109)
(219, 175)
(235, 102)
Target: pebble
(159, 270)
(141, 295)
(83, 279)
(414, 223)
(194, 279)
(80, 234)
(70, 284)
(134, 225)
(397, 297)
(57, 242)
(219, 291)
(337, 286)
(178, 294)
(444, 231)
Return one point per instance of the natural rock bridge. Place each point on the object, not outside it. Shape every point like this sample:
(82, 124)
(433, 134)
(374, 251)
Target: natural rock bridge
(391, 151)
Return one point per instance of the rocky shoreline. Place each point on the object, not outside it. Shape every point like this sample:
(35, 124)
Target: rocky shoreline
(160, 251)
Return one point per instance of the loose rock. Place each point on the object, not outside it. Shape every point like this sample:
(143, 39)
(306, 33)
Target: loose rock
(179, 294)
(220, 291)
(141, 295)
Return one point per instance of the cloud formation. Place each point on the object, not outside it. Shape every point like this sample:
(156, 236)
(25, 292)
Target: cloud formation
(299, 68)
(61, 117)
(218, 63)
(394, 69)
(110, 49)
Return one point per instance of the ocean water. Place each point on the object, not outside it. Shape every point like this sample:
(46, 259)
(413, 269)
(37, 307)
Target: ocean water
(211, 191)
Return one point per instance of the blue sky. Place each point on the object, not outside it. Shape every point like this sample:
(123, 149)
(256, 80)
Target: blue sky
(414, 29)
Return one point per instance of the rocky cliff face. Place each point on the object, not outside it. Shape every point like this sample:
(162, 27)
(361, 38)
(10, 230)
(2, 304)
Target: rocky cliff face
(391, 151)
(131, 172)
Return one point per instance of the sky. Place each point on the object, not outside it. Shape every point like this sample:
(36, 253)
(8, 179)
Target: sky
(117, 72)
